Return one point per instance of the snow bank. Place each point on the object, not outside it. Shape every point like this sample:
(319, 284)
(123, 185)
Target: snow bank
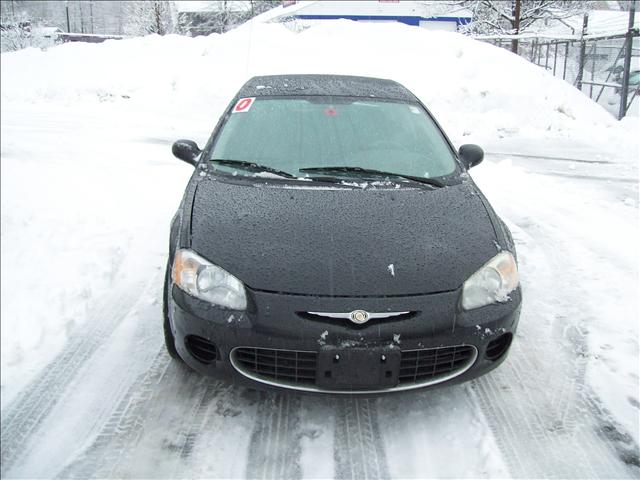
(475, 89)
(81, 190)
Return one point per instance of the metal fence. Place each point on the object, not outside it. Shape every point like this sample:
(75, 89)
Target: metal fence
(593, 64)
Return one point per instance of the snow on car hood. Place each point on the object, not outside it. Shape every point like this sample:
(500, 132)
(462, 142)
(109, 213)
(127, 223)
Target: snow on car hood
(342, 241)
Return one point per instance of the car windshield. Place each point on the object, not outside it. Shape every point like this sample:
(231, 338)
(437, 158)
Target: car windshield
(293, 133)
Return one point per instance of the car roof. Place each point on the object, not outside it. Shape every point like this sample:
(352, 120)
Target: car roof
(332, 85)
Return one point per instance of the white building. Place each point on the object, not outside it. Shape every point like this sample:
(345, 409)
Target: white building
(433, 15)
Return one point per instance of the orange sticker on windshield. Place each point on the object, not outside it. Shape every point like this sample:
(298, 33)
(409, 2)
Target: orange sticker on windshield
(243, 105)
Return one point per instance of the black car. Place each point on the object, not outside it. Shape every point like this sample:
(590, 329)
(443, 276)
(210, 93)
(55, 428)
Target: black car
(330, 240)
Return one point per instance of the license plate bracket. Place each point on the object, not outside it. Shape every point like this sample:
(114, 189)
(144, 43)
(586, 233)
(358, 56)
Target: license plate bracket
(358, 368)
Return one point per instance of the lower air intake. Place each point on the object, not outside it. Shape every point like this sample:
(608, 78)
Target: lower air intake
(201, 348)
(498, 347)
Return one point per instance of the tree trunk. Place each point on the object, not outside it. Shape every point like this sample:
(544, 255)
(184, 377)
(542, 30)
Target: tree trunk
(516, 25)
(156, 11)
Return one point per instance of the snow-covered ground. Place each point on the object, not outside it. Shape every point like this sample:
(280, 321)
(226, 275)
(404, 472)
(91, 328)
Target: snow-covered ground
(88, 188)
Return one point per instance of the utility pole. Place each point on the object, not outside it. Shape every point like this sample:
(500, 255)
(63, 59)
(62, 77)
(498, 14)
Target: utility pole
(515, 10)
(627, 62)
(91, 14)
(81, 17)
(66, 6)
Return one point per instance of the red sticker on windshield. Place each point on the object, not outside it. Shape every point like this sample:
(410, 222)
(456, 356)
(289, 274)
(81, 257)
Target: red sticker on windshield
(331, 112)
(243, 105)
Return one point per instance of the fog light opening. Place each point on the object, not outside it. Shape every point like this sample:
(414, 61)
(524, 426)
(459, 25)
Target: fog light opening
(498, 347)
(201, 349)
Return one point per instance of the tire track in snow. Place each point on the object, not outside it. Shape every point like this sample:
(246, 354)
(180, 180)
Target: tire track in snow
(553, 430)
(21, 419)
(357, 449)
(611, 431)
(534, 437)
(224, 411)
(123, 427)
(158, 424)
(275, 446)
(167, 408)
(198, 416)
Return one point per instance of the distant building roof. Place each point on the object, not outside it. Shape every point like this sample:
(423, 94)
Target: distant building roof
(371, 8)
(87, 37)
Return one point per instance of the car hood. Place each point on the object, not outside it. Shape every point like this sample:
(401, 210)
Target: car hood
(324, 240)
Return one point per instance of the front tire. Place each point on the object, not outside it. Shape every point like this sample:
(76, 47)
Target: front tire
(169, 339)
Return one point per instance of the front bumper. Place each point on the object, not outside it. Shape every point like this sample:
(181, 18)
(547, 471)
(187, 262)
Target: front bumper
(278, 322)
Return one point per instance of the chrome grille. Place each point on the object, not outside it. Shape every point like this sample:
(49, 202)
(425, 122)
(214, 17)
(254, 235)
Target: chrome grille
(297, 369)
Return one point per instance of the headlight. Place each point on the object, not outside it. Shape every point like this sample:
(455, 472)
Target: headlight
(492, 283)
(208, 282)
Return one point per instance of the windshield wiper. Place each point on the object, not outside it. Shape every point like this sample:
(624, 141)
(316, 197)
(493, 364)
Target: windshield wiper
(429, 181)
(253, 167)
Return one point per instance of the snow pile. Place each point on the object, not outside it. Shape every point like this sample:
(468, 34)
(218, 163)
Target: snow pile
(475, 89)
(83, 197)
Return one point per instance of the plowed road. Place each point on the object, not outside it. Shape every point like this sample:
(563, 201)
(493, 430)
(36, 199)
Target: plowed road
(112, 404)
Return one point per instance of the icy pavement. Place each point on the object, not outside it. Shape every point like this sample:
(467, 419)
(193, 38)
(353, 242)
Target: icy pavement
(111, 403)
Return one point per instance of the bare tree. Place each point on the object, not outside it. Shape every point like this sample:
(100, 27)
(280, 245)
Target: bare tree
(15, 28)
(518, 16)
(146, 17)
(222, 16)
(117, 17)
(261, 6)
(14, 37)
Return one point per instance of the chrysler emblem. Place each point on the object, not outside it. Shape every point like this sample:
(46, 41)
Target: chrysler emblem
(359, 316)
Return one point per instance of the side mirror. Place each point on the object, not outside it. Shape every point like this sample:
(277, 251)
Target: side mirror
(470, 155)
(186, 150)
